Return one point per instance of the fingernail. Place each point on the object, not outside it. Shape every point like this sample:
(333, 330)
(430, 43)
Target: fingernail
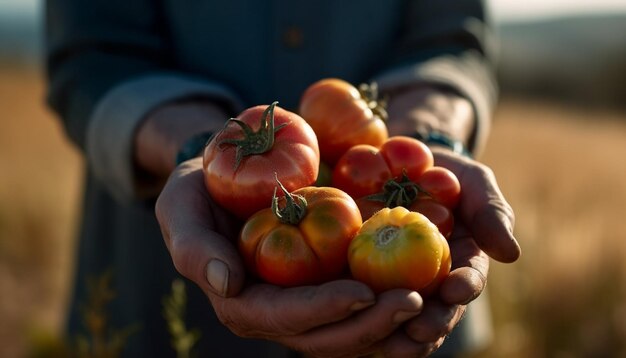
(357, 306)
(217, 276)
(402, 316)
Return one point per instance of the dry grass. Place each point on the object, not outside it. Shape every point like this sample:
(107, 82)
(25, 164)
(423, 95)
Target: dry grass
(563, 171)
(39, 186)
(560, 167)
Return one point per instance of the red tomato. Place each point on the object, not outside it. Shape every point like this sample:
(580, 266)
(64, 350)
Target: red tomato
(290, 246)
(398, 248)
(442, 185)
(342, 116)
(361, 171)
(364, 169)
(436, 212)
(240, 162)
(400, 173)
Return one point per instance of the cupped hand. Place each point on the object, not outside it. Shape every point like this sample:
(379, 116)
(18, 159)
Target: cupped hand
(483, 229)
(335, 319)
(482, 208)
(340, 318)
(425, 333)
(470, 265)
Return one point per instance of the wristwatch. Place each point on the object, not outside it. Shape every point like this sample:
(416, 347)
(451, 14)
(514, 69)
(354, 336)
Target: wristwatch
(443, 140)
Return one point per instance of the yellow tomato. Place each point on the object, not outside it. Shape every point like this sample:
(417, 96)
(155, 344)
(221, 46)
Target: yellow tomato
(398, 248)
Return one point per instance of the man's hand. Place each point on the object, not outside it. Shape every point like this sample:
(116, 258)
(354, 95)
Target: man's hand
(483, 229)
(483, 220)
(339, 318)
(336, 319)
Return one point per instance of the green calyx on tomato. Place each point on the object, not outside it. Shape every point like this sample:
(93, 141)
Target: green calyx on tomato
(293, 212)
(244, 185)
(253, 142)
(369, 93)
(401, 192)
(343, 116)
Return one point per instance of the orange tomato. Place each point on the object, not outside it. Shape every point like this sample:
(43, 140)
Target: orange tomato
(343, 116)
(303, 239)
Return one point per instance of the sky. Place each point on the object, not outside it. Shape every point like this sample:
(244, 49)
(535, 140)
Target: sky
(519, 10)
(503, 10)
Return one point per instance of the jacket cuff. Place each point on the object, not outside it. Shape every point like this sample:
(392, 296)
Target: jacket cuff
(467, 74)
(111, 128)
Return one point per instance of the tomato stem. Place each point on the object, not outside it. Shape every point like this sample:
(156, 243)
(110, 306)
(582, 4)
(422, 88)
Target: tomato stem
(253, 142)
(399, 193)
(369, 92)
(293, 212)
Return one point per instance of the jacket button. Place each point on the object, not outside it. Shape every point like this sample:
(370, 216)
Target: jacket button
(293, 37)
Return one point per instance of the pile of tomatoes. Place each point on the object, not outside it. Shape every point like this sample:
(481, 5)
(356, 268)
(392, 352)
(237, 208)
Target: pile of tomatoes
(326, 193)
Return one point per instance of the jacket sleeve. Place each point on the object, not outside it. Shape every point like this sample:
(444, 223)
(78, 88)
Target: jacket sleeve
(448, 43)
(109, 63)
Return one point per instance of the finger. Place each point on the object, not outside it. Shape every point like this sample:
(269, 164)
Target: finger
(469, 272)
(265, 311)
(188, 225)
(437, 320)
(483, 207)
(359, 333)
(462, 286)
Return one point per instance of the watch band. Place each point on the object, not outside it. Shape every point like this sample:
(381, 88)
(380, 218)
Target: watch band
(443, 140)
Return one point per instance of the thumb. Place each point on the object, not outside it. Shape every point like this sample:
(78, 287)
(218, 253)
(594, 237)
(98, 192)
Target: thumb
(197, 233)
(208, 259)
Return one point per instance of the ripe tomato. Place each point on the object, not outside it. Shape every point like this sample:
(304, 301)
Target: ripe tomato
(436, 212)
(442, 185)
(342, 116)
(400, 173)
(398, 248)
(303, 239)
(364, 169)
(241, 160)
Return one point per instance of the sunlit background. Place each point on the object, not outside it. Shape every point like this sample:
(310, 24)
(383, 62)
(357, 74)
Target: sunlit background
(557, 147)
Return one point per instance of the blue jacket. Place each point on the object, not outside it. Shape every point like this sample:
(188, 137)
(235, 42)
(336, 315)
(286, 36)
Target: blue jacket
(111, 62)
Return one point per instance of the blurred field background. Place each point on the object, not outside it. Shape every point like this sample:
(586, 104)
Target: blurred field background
(557, 146)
